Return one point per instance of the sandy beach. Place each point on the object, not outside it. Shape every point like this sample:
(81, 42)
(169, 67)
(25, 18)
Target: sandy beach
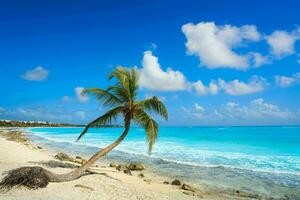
(108, 183)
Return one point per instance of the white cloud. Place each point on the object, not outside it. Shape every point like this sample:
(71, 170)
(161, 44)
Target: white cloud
(197, 111)
(154, 78)
(201, 89)
(282, 42)
(256, 111)
(214, 44)
(237, 87)
(198, 108)
(36, 74)
(81, 98)
(258, 59)
(285, 81)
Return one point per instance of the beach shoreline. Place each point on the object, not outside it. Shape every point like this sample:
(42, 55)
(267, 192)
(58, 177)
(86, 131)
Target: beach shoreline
(118, 185)
(151, 186)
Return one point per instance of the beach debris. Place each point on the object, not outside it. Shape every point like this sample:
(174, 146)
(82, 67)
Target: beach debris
(176, 182)
(113, 164)
(39, 147)
(85, 187)
(121, 167)
(127, 171)
(28, 177)
(187, 187)
(166, 182)
(141, 175)
(136, 166)
(16, 136)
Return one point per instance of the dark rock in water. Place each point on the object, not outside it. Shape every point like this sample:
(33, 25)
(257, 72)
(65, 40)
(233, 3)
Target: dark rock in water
(39, 147)
(127, 171)
(121, 167)
(136, 166)
(187, 187)
(176, 182)
(141, 175)
(166, 183)
(113, 164)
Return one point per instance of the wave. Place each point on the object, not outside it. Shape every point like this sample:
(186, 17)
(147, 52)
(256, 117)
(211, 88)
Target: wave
(249, 162)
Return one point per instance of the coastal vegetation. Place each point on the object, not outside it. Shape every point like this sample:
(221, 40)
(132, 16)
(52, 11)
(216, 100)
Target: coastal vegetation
(15, 123)
(121, 98)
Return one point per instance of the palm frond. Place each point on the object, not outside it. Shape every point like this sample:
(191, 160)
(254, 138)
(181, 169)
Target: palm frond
(150, 126)
(122, 75)
(120, 92)
(154, 105)
(105, 96)
(133, 83)
(105, 119)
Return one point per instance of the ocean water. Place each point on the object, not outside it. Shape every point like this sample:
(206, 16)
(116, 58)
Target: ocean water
(260, 160)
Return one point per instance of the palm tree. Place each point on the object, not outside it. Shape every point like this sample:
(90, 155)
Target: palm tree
(122, 99)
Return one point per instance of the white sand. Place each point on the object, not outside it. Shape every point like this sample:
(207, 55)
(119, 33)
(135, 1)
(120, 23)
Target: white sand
(109, 185)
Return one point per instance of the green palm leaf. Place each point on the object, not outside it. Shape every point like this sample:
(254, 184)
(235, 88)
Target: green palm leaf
(105, 119)
(154, 105)
(105, 96)
(150, 126)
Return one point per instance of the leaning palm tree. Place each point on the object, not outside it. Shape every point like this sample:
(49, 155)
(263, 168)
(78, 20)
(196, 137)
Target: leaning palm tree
(122, 99)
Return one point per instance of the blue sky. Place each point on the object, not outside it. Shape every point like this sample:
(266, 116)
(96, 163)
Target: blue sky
(212, 62)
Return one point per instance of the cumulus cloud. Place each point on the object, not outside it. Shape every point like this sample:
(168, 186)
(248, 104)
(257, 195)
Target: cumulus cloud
(197, 111)
(201, 89)
(81, 98)
(258, 59)
(214, 44)
(282, 43)
(237, 87)
(153, 77)
(256, 111)
(44, 114)
(286, 81)
(37, 74)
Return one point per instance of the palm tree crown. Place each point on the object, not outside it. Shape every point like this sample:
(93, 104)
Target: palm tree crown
(122, 99)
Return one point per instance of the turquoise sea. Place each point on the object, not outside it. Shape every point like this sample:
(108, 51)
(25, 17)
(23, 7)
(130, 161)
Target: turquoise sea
(260, 160)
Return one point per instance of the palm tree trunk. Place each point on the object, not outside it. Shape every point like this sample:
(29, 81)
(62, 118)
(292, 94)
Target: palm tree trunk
(75, 174)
